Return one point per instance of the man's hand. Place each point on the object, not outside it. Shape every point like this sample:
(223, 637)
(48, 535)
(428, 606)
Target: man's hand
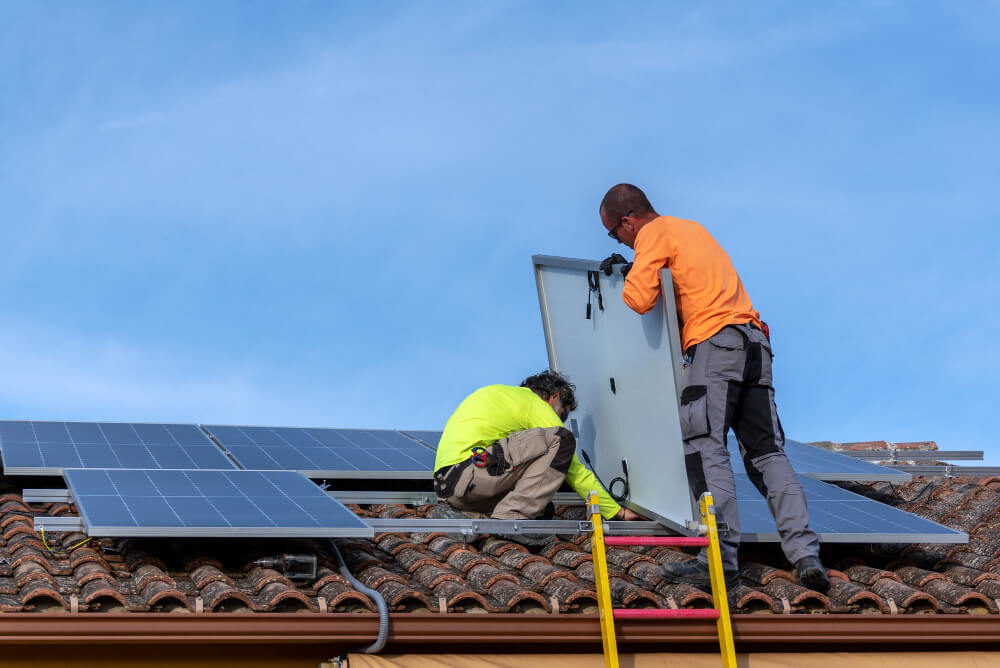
(610, 261)
(627, 268)
(628, 515)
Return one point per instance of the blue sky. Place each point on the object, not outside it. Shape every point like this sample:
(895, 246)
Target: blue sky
(323, 213)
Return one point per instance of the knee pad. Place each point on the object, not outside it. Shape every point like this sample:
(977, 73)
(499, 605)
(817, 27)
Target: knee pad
(565, 450)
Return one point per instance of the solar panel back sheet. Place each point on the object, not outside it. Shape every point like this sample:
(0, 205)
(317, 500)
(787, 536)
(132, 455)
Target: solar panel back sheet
(327, 453)
(623, 367)
(46, 448)
(224, 503)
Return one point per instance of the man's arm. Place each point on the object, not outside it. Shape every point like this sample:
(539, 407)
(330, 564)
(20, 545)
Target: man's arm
(642, 284)
(583, 482)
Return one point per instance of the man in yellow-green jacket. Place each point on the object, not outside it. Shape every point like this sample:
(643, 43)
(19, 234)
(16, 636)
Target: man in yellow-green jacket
(505, 452)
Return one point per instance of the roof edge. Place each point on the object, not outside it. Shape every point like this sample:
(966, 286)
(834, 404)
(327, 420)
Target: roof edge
(422, 632)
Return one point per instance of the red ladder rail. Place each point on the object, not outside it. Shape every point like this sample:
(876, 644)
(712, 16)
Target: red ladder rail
(668, 541)
(656, 613)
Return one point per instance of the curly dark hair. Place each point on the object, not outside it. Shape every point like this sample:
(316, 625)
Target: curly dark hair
(547, 383)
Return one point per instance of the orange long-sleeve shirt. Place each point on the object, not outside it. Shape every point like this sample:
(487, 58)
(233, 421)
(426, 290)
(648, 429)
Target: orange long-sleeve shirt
(708, 291)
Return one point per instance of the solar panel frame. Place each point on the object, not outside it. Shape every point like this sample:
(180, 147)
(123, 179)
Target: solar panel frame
(46, 447)
(839, 516)
(208, 503)
(321, 452)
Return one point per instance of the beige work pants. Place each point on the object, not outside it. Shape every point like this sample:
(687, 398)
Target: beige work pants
(531, 465)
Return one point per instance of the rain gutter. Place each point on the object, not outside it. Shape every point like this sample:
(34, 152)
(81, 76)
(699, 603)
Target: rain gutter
(437, 633)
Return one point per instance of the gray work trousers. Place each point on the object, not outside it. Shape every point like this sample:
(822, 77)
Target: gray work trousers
(527, 467)
(727, 383)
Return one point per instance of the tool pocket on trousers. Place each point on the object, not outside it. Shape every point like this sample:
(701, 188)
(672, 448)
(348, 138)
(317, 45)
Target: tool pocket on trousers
(694, 412)
(522, 447)
(726, 355)
(766, 379)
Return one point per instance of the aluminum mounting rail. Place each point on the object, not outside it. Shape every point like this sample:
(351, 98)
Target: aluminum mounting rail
(53, 524)
(913, 455)
(47, 496)
(949, 471)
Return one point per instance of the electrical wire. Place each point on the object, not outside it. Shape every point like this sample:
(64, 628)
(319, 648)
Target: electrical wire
(619, 498)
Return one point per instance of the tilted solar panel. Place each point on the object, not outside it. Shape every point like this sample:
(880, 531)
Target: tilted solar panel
(223, 503)
(46, 448)
(326, 453)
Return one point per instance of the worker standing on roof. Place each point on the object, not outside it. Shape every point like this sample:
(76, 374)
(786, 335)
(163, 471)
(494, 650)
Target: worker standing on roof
(727, 378)
(505, 452)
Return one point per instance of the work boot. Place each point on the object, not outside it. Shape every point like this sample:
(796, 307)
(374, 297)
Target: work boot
(811, 574)
(695, 573)
(445, 511)
(549, 512)
(527, 539)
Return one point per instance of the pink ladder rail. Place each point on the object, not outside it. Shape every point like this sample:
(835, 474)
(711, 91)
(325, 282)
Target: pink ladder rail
(669, 541)
(656, 613)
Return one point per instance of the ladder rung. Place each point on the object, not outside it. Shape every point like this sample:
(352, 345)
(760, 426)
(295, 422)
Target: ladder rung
(654, 613)
(670, 541)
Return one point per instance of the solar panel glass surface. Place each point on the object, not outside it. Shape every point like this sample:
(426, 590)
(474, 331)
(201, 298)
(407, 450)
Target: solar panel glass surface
(156, 502)
(46, 448)
(813, 462)
(326, 453)
(839, 516)
(428, 438)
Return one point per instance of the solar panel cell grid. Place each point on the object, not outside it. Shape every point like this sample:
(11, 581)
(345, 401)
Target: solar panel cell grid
(46, 448)
(326, 452)
(838, 516)
(207, 503)
(820, 464)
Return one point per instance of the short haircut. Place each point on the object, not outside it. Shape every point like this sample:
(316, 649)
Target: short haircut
(547, 383)
(623, 198)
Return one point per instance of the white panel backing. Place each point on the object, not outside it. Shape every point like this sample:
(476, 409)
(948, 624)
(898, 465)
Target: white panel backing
(637, 420)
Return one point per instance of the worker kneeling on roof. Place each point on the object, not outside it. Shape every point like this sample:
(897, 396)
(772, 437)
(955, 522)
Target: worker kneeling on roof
(727, 378)
(505, 452)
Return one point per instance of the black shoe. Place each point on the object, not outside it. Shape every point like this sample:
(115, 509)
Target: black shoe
(527, 539)
(811, 574)
(549, 512)
(695, 573)
(445, 511)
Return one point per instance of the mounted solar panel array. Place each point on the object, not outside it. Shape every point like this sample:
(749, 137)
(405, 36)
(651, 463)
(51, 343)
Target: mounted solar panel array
(326, 453)
(820, 464)
(839, 516)
(428, 438)
(154, 502)
(46, 448)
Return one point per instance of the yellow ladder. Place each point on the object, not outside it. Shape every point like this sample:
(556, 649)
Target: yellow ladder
(608, 615)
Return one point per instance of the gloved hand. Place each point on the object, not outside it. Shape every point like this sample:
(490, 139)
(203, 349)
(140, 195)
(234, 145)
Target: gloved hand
(609, 261)
(627, 268)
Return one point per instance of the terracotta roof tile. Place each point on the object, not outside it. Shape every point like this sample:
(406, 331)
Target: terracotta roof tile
(435, 572)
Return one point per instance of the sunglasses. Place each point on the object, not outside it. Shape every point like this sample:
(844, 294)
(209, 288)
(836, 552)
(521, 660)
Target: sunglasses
(614, 232)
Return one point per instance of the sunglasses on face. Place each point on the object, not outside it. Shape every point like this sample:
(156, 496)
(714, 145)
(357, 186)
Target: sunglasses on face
(614, 232)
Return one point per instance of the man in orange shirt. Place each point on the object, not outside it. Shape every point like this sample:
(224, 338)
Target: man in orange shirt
(727, 379)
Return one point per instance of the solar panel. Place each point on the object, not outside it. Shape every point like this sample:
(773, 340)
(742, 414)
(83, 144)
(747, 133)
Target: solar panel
(820, 464)
(156, 502)
(326, 453)
(46, 448)
(428, 438)
(839, 516)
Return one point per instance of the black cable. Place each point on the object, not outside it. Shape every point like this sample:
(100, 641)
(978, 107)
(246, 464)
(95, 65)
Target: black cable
(619, 498)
